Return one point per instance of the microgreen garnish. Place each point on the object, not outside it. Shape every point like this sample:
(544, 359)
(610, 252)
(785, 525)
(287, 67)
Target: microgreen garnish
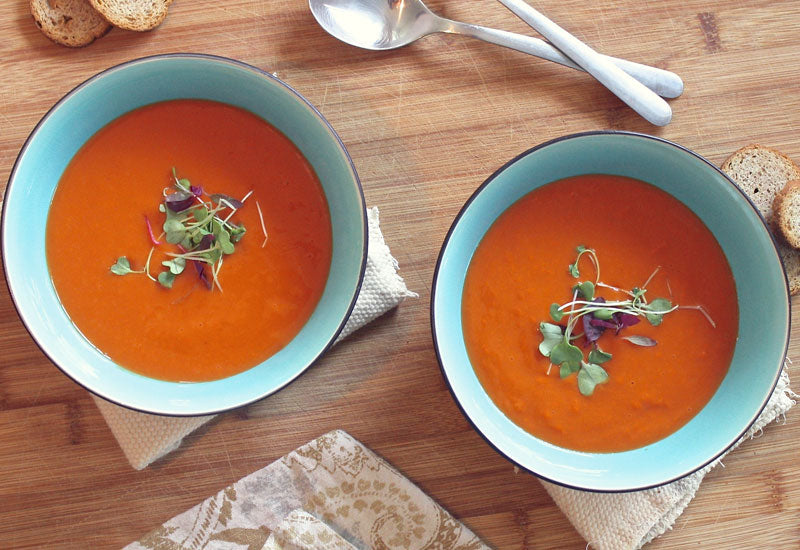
(122, 267)
(596, 315)
(263, 227)
(150, 234)
(640, 340)
(199, 227)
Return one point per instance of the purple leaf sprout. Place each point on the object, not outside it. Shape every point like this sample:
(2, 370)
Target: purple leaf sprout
(201, 273)
(179, 200)
(593, 327)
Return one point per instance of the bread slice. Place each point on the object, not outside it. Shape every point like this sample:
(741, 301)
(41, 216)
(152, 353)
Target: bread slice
(762, 172)
(786, 208)
(133, 15)
(73, 23)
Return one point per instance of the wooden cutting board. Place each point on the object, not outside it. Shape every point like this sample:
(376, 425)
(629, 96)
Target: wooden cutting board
(425, 125)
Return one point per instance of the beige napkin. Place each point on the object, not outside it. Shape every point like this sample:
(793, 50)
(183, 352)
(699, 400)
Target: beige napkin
(332, 493)
(144, 438)
(625, 521)
(302, 531)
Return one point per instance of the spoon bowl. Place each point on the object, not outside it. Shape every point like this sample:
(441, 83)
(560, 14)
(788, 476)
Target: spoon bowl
(375, 25)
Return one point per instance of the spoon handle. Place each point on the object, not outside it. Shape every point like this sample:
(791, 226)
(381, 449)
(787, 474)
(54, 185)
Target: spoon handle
(664, 83)
(640, 98)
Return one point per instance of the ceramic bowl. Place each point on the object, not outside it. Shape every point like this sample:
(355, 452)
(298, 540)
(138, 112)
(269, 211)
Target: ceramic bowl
(95, 103)
(760, 282)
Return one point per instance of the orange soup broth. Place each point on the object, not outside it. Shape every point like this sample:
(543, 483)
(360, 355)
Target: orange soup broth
(188, 333)
(520, 268)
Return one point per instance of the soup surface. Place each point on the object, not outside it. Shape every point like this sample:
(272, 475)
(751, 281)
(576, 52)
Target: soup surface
(188, 332)
(520, 268)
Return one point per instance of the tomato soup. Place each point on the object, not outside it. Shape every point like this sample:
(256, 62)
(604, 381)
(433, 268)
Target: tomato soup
(520, 268)
(268, 287)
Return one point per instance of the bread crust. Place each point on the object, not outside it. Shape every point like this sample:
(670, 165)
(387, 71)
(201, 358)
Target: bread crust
(73, 23)
(786, 207)
(762, 173)
(133, 15)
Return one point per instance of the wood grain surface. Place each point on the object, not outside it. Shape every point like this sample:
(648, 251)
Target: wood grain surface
(425, 125)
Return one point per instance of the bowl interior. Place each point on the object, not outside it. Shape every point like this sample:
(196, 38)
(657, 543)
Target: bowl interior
(86, 110)
(760, 283)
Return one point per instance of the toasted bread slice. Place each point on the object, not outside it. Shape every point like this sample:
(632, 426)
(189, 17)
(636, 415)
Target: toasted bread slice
(786, 208)
(762, 172)
(73, 23)
(133, 15)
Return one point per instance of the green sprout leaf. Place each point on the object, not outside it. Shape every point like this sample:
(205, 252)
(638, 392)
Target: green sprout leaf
(200, 214)
(237, 232)
(573, 270)
(566, 355)
(556, 314)
(224, 240)
(175, 230)
(166, 278)
(551, 335)
(566, 369)
(175, 265)
(598, 356)
(603, 314)
(585, 289)
(212, 255)
(196, 237)
(590, 376)
(181, 183)
(122, 266)
(659, 305)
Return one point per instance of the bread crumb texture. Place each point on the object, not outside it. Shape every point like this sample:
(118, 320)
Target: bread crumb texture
(133, 15)
(787, 212)
(73, 23)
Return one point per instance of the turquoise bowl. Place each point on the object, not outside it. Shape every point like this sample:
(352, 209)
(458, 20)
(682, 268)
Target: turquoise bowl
(88, 108)
(760, 282)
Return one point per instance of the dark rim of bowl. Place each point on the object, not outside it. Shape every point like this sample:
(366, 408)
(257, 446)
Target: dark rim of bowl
(436, 277)
(264, 74)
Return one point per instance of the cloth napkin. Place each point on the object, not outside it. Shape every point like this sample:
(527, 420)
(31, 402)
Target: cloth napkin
(145, 438)
(626, 521)
(332, 493)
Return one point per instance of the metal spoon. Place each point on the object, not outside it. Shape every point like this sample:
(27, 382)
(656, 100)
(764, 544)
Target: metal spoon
(389, 24)
(640, 98)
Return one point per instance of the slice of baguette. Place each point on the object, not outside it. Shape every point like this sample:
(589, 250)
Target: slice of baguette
(133, 15)
(73, 23)
(786, 208)
(762, 172)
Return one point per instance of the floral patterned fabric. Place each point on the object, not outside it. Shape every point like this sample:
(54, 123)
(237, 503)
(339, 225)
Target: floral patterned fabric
(330, 494)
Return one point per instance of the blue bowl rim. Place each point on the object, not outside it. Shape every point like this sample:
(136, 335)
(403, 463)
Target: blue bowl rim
(287, 87)
(480, 189)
